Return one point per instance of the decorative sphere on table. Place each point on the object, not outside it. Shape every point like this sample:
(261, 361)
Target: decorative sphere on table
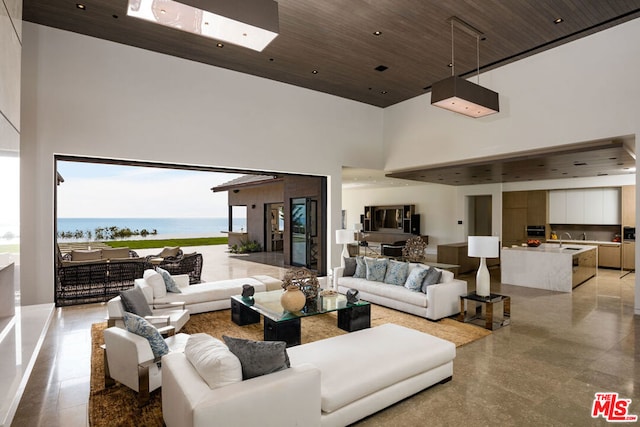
(293, 299)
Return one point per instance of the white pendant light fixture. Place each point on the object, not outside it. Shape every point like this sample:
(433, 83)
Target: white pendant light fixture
(248, 23)
(460, 95)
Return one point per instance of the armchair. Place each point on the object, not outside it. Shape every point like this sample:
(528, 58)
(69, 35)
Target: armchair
(172, 314)
(393, 250)
(179, 263)
(128, 359)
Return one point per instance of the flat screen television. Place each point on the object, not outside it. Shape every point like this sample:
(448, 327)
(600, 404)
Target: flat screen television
(388, 218)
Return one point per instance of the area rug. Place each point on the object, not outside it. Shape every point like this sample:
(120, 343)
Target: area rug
(118, 405)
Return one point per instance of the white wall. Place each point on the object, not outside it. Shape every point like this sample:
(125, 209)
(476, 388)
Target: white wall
(86, 96)
(582, 91)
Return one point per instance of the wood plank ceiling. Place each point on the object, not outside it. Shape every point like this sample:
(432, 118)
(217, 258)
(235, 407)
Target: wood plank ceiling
(330, 46)
(335, 38)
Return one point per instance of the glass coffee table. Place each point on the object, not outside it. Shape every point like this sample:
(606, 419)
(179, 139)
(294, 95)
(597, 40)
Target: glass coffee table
(282, 325)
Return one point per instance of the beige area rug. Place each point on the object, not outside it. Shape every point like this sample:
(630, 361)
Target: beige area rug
(118, 405)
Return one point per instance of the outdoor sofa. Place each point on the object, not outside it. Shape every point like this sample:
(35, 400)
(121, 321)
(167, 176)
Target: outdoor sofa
(89, 276)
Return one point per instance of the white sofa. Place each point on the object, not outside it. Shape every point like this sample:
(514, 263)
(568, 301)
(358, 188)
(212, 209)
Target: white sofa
(208, 296)
(331, 382)
(441, 300)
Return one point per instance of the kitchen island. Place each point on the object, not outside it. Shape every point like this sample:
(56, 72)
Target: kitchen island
(548, 266)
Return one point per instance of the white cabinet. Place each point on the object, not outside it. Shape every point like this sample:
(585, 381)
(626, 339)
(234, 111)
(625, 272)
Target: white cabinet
(557, 207)
(599, 206)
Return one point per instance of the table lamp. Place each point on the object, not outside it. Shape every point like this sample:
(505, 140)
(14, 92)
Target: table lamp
(483, 247)
(344, 237)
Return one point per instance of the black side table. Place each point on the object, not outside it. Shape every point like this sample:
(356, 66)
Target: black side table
(480, 302)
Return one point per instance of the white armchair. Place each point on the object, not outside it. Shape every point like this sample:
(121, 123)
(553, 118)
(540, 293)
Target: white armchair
(129, 360)
(173, 314)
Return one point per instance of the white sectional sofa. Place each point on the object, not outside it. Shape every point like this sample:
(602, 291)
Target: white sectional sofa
(203, 297)
(440, 300)
(331, 382)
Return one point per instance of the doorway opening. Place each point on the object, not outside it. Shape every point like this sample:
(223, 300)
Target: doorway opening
(479, 215)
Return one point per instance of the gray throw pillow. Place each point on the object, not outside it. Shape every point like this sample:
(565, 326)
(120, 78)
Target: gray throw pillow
(349, 267)
(361, 268)
(433, 276)
(133, 301)
(258, 357)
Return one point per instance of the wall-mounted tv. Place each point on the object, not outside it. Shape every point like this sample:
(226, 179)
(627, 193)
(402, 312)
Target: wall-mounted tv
(387, 218)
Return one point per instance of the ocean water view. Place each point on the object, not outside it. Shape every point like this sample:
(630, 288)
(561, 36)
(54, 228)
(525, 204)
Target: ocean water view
(167, 228)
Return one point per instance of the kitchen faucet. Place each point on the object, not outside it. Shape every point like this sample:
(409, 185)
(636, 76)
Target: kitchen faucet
(570, 238)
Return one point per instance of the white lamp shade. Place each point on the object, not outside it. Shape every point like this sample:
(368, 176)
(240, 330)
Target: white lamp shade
(484, 246)
(344, 237)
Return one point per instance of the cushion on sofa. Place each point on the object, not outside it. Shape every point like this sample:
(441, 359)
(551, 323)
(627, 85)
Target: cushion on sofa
(156, 281)
(349, 266)
(361, 268)
(213, 360)
(258, 357)
(169, 251)
(415, 279)
(133, 301)
(140, 326)
(433, 276)
(397, 272)
(171, 284)
(376, 268)
(86, 255)
(112, 253)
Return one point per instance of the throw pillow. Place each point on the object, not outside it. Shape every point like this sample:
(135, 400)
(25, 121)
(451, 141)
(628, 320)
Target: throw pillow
(155, 280)
(415, 279)
(397, 272)
(361, 268)
(433, 276)
(86, 255)
(113, 253)
(171, 284)
(169, 252)
(376, 268)
(258, 357)
(140, 326)
(133, 301)
(349, 267)
(213, 360)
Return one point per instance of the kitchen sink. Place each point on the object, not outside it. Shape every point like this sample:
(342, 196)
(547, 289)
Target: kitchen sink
(571, 249)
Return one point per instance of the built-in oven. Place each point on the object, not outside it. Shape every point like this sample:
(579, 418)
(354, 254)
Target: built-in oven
(629, 233)
(535, 230)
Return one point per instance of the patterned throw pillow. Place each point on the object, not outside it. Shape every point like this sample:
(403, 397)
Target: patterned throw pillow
(376, 269)
(171, 284)
(414, 281)
(361, 268)
(397, 272)
(139, 326)
(349, 267)
(433, 276)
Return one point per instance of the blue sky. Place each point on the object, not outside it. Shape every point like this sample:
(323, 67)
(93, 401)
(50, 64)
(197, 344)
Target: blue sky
(94, 190)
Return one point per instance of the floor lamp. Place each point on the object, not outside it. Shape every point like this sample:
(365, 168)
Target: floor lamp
(344, 237)
(483, 247)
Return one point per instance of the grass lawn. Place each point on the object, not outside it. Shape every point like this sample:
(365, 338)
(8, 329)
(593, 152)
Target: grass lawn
(160, 243)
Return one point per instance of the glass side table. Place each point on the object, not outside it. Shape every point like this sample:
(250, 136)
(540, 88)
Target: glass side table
(480, 310)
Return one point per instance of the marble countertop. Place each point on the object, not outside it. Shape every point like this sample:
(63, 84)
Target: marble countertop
(553, 248)
(584, 242)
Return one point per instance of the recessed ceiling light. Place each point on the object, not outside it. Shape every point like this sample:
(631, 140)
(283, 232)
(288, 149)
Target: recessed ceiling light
(219, 45)
(114, 16)
(206, 23)
(450, 64)
(384, 92)
(377, 33)
(381, 68)
(558, 21)
(314, 72)
(162, 11)
(81, 6)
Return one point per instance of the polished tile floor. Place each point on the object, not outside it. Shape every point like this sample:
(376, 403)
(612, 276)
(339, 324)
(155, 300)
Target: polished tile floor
(543, 369)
